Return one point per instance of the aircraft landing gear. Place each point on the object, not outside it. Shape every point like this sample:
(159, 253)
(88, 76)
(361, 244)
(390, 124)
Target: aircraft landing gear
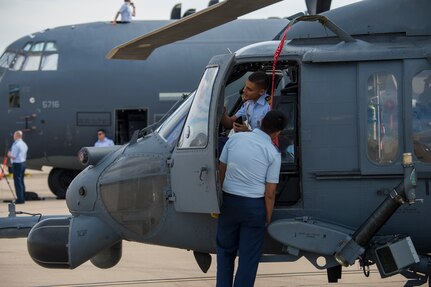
(334, 273)
(59, 180)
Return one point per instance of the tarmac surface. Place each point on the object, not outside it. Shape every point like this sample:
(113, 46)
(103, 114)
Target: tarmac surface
(146, 265)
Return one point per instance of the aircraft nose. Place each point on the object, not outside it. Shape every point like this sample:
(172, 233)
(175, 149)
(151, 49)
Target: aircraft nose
(133, 191)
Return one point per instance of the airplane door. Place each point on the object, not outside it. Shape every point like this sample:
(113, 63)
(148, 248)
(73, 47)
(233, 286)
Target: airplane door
(194, 171)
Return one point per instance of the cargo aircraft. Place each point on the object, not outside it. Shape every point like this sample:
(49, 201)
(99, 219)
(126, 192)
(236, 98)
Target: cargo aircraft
(354, 83)
(58, 87)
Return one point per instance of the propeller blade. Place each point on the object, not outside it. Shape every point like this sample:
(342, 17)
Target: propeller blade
(317, 6)
(176, 12)
(141, 47)
(212, 2)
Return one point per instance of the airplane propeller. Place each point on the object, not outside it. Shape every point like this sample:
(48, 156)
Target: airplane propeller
(141, 47)
(317, 6)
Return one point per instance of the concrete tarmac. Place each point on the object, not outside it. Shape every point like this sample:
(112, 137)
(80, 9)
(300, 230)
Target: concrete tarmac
(146, 265)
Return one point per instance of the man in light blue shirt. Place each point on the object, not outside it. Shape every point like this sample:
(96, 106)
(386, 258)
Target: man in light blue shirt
(102, 139)
(18, 157)
(127, 10)
(249, 172)
(255, 108)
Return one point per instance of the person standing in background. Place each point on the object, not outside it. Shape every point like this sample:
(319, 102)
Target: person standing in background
(102, 139)
(18, 157)
(127, 11)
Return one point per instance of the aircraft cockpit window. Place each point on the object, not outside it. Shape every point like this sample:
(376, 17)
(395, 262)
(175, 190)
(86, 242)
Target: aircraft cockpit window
(17, 63)
(27, 46)
(7, 59)
(50, 47)
(382, 118)
(195, 131)
(32, 63)
(421, 109)
(38, 47)
(40, 55)
(49, 62)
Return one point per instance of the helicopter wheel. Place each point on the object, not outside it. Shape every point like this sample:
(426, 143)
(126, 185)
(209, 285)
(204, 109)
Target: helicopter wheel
(59, 180)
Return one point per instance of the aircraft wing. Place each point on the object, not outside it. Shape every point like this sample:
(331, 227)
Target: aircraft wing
(140, 48)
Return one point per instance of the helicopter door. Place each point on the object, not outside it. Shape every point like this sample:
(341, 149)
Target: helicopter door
(194, 172)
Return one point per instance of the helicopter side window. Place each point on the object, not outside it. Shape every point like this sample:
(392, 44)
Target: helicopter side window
(195, 132)
(382, 118)
(421, 108)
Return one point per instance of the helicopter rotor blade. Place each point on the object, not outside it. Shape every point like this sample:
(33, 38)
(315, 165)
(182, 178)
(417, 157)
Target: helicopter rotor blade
(141, 47)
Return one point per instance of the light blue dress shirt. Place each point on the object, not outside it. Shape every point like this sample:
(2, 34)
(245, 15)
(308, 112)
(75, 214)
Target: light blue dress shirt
(126, 12)
(104, 143)
(254, 111)
(252, 160)
(19, 151)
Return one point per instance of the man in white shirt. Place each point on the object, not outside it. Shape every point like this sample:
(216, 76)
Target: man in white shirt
(249, 173)
(127, 10)
(18, 157)
(102, 139)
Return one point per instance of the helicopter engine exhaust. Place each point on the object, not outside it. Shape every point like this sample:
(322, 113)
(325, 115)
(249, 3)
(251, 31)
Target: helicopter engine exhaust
(70, 241)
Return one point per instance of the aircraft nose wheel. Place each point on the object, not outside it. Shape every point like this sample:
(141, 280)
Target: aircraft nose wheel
(59, 180)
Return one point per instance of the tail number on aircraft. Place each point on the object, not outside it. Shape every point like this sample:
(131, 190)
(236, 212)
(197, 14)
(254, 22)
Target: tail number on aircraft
(50, 104)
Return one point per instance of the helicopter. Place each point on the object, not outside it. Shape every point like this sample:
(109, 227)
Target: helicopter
(354, 86)
(52, 83)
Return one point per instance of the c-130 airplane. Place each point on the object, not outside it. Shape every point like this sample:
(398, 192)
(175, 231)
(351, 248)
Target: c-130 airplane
(59, 89)
(355, 87)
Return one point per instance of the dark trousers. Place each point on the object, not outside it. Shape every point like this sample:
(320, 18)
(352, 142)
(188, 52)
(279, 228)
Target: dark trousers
(18, 180)
(241, 230)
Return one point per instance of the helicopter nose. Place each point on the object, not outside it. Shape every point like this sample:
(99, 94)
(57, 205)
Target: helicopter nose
(70, 241)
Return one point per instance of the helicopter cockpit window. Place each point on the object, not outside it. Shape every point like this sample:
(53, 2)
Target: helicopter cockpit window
(172, 126)
(421, 109)
(382, 118)
(195, 132)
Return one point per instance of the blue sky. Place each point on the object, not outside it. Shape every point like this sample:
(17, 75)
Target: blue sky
(22, 17)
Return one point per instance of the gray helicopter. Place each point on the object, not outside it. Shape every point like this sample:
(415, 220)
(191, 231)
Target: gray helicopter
(354, 83)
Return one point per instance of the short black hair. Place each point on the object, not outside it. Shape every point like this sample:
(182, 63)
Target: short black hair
(260, 79)
(101, 130)
(274, 121)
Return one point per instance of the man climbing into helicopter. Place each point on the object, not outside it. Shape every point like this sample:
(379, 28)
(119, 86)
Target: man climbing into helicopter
(249, 172)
